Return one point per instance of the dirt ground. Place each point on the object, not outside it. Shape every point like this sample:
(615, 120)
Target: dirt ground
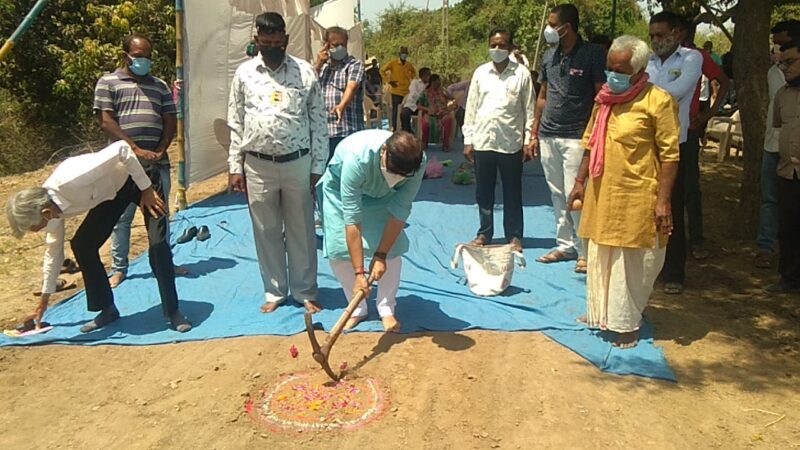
(734, 350)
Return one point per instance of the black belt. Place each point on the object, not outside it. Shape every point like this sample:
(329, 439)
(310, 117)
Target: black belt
(280, 158)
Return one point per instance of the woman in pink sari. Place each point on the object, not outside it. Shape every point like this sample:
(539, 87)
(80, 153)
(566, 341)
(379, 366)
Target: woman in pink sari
(436, 120)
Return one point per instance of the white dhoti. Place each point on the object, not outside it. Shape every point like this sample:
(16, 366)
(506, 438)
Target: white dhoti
(618, 285)
(387, 286)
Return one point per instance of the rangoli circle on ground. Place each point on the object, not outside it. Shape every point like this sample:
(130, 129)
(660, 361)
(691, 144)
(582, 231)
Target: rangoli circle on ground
(304, 402)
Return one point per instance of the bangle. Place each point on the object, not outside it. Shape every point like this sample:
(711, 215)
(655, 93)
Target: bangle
(380, 255)
(360, 271)
(580, 180)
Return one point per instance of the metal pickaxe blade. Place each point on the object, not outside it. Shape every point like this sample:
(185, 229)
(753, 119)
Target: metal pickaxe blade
(321, 353)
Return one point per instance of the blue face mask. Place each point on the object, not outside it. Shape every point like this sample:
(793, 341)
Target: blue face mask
(618, 82)
(140, 66)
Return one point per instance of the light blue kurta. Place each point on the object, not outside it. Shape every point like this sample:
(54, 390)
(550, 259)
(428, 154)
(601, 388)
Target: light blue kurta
(354, 191)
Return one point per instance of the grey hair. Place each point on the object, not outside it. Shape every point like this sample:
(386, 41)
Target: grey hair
(640, 51)
(24, 209)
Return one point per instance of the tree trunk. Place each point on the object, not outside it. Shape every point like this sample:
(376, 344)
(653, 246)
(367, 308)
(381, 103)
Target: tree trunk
(750, 60)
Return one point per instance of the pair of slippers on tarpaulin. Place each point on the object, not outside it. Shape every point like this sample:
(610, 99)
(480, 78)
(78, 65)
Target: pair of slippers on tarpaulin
(202, 234)
(28, 328)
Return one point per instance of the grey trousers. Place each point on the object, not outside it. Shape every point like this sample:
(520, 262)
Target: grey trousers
(282, 211)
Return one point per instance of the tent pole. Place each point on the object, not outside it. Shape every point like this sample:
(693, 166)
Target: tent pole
(22, 28)
(180, 198)
(541, 32)
(613, 19)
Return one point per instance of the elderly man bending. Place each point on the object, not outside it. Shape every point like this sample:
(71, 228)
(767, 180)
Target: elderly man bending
(366, 198)
(630, 165)
(104, 184)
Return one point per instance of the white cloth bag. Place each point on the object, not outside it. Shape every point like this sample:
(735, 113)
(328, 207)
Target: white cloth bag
(489, 268)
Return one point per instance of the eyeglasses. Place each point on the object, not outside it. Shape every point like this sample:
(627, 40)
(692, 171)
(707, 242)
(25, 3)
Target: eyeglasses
(785, 64)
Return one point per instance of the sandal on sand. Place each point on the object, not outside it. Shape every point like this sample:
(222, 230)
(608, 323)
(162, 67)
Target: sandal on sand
(673, 288)
(556, 256)
(580, 265)
(61, 285)
(69, 266)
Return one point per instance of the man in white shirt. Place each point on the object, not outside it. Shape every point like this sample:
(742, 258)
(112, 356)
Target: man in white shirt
(104, 184)
(768, 217)
(677, 70)
(415, 90)
(279, 144)
(500, 107)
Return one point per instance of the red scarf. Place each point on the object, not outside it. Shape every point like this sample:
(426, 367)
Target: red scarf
(606, 99)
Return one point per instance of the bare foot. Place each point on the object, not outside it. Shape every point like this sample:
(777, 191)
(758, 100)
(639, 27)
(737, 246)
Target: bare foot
(390, 324)
(180, 271)
(627, 340)
(352, 322)
(116, 279)
(312, 307)
(269, 307)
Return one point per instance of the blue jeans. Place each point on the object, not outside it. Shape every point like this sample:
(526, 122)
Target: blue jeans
(768, 217)
(121, 236)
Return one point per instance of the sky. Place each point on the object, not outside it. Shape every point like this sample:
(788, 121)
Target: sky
(371, 9)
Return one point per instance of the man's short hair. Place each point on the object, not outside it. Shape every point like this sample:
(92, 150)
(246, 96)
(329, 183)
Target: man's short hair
(270, 22)
(567, 13)
(794, 43)
(640, 51)
(670, 18)
(602, 39)
(505, 31)
(24, 209)
(403, 153)
(424, 71)
(339, 31)
(128, 42)
(791, 27)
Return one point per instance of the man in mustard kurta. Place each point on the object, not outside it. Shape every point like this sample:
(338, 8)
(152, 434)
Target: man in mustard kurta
(399, 72)
(629, 168)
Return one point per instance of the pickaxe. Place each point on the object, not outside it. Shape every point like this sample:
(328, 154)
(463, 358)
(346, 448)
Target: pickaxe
(322, 353)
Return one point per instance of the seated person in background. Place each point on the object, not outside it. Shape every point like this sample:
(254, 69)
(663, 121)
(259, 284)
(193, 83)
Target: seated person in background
(458, 91)
(436, 119)
(410, 104)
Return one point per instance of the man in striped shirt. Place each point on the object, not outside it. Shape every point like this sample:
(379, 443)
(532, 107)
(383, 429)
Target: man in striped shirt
(133, 106)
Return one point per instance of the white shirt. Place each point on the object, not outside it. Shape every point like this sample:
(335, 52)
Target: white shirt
(277, 112)
(775, 81)
(79, 184)
(499, 108)
(415, 90)
(678, 75)
(705, 89)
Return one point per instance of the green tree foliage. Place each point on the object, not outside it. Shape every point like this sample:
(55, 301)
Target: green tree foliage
(53, 68)
(470, 23)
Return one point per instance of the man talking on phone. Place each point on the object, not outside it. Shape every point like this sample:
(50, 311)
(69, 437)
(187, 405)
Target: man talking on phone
(341, 76)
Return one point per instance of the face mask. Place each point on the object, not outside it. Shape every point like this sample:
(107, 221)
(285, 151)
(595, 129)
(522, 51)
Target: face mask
(338, 53)
(665, 47)
(392, 179)
(139, 66)
(551, 35)
(498, 55)
(618, 82)
(403, 56)
(273, 55)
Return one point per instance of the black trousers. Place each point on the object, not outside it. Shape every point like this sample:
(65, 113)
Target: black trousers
(405, 119)
(487, 165)
(95, 231)
(397, 100)
(674, 270)
(788, 227)
(690, 154)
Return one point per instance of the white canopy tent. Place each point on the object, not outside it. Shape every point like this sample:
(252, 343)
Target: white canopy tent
(215, 36)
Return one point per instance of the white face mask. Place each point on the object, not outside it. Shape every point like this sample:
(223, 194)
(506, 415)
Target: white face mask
(551, 35)
(498, 55)
(392, 179)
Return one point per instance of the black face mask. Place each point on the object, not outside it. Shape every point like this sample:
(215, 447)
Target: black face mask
(273, 55)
